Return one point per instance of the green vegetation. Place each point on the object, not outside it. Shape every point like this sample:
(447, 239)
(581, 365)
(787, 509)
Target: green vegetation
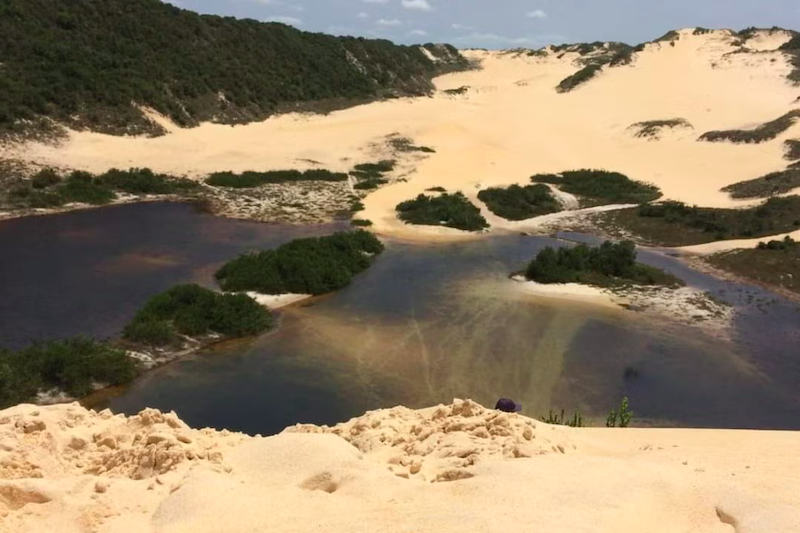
(86, 62)
(250, 179)
(599, 187)
(582, 76)
(651, 129)
(458, 91)
(436, 189)
(701, 31)
(560, 419)
(677, 224)
(194, 311)
(620, 417)
(792, 49)
(520, 203)
(608, 265)
(450, 210)
(773, 263)
(765, 132)
(786, 244)
(73, 366)
(46, 189)
(360, 223)
(792, 150)
(772, 184)
(404, 144)
(371, 175)
(669, 37)
(305, 266)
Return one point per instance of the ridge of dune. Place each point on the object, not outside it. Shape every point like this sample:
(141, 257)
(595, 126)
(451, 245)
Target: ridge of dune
(445, 468)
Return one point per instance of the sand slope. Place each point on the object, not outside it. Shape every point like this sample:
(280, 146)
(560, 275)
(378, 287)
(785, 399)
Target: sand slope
(458, 467)
(510, 124)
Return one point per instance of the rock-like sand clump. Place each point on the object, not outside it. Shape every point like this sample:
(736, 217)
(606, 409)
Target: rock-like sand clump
(458, 467)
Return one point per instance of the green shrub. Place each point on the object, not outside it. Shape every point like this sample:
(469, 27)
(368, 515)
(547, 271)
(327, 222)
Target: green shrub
(369, 184)
(73, 366)
(651, 129)
(620, 417)
(85, 188)
(560, 420)
(193, 311)
(792, 149)
(315, 265)
(600, 186)
(765, 132)
(145, 181)
(579, 78)
(450, 210)
(45, 178)
(772, 184)
(520, 203)
(361, 223)
(786, 244)
(609, 265)
(250, 179)
(436, 189)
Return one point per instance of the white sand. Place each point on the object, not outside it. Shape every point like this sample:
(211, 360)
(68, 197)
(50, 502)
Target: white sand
(277, 301)
(449, 468)
(509, 125)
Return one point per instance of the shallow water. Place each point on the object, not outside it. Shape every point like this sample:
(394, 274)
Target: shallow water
(424, 325)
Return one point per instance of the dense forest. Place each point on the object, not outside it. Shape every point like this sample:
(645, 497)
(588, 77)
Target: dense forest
(449, 210)
(316, 265)
(89, 63)
(608, 265)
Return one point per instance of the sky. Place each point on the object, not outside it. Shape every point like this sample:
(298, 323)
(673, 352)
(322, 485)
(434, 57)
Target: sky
(507, 23)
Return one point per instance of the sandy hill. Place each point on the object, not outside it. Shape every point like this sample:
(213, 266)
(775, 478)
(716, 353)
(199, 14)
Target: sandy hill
(508, 121)
(458, 467)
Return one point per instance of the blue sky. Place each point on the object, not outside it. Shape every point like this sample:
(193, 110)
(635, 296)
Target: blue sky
(508, 23)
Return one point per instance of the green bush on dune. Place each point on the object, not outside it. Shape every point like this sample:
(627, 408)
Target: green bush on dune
(598, 187)
(250, 179)
(449, 210)
(520, 203)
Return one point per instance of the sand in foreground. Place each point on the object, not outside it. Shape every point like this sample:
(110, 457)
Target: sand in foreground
(459, 467)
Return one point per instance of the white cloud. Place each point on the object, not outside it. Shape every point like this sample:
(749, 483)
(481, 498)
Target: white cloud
(418, 33)
(493, 40)
(363, 15)
(388, 22)
(538, 14)
(375, 1)
(457, 26)
(291, 21)
(418, 5)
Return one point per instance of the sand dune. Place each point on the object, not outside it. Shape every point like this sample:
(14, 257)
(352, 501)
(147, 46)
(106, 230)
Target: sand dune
(510, 124)
(459, 467)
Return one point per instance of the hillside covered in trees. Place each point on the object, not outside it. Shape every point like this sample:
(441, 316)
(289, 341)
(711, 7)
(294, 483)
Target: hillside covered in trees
(90, 63)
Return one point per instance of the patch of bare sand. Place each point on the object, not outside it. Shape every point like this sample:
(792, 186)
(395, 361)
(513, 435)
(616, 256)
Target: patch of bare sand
(452, 467)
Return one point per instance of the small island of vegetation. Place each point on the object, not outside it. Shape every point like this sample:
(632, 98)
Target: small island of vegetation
(520, 203)
(314, 266)
(193, 311)
(652, 129)
(251, 179)
(449, 210)
(763, 133)
(609, 265)
(601, 187)
(773, 184)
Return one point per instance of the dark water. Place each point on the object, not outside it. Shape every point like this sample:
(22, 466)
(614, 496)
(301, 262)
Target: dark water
(424, 325)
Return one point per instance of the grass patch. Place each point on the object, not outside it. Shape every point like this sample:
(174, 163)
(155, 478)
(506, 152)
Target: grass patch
(609, 265)
(370, 183)
(520, 203)
(436, 189)
(250, 179)
(677, 224)
(360, 223)
(73, 366)
(765, 132)
(600, 187)
(585, 74)
(305, 266)
(776, 263)
(772, 184)
(450, 210)
(194, 311)
(458, 91)
(404, 144)
(651, 129)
